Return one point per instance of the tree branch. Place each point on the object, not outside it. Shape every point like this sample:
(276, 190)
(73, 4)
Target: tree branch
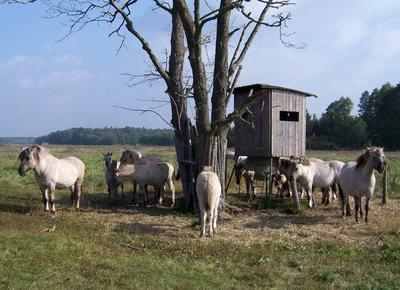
(146, 47)
(146, 111)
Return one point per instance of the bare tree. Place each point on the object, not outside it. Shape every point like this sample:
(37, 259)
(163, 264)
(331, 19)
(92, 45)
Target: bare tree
(205, 142)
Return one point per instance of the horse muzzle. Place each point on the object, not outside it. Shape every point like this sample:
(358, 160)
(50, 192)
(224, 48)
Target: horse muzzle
(21, 171)
(381, 168)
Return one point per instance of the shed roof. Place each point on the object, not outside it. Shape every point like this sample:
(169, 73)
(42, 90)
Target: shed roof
(257, 87)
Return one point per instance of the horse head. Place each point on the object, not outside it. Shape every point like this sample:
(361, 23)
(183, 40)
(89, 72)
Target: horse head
(378, 159)
(107, 158)
(374, 155)
(130, 156)
(29, 158)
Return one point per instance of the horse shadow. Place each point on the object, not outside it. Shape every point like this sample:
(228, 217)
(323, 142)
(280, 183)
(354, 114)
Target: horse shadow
(282, 221)
(153, 229)
(18, 204)
(100, 203)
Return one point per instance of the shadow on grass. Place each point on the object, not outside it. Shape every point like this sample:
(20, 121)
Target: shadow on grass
(15, 208)
(99, 203)
(154, 229)
(18, 204)
(278, 222)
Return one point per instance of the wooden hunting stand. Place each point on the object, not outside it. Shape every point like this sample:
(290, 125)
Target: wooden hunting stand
(273, 126)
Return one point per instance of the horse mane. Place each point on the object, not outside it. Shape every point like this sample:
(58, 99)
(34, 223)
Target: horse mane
(303, 161)
(23, 153)
(363, 158)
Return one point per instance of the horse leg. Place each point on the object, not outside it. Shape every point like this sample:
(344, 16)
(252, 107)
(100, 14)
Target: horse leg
(356, 206)
(122, 190)
(45, 196)
(134, 192)
(367, 208)
(214, 222)
(253, 187)
(161, 191)
(78, 193)
(72, 190)
(247, 188)
(328, 196)
(52, 201)
(203, 219)
(343, 197)
(172, 189)
(210, 222)
(310, 196)
(361, 210)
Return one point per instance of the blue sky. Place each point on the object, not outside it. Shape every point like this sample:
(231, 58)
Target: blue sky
(48, 85)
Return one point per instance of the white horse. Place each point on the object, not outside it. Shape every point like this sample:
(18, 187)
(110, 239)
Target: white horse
(144, 174)
(51, 173)
(135, 157)
(208, 189)
(311, 173)
(357, 179)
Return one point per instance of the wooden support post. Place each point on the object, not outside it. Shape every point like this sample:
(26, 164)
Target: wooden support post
(270, 182)
(233, 170)
(385, 185)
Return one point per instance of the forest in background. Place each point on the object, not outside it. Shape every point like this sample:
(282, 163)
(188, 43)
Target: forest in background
(377, 122)
(109, 136)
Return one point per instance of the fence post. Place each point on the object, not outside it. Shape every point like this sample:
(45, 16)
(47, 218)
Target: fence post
(385, 196)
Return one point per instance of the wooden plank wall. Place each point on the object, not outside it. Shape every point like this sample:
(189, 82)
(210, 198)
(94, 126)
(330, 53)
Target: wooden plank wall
(249, 141)
(289, 137)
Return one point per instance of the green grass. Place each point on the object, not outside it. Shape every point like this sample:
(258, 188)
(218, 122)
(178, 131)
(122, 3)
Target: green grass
(119, 246)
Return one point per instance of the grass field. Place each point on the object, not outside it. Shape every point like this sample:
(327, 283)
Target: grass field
(120, 246)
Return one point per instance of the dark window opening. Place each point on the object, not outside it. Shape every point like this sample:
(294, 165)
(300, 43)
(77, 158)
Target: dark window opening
(289, 116)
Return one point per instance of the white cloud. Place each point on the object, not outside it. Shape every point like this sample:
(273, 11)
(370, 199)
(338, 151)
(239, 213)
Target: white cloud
(69, 59)
(64, 78)
(25, 72)
(20, 63)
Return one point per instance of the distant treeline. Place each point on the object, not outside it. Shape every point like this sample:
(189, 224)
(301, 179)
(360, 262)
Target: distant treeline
(377, 122)
(17, 140)
(109, 136)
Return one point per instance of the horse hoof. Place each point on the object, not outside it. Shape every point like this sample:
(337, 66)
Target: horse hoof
(53, 214)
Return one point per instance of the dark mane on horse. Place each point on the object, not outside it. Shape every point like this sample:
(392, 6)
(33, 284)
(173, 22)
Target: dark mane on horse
(363, 158)
(23, 153)
(305, 161)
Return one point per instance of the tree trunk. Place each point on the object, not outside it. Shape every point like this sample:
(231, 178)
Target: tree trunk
(185, 154)
(211, 151)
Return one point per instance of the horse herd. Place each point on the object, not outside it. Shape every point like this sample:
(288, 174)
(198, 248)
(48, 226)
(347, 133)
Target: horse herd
(52, 173)
(333, 177)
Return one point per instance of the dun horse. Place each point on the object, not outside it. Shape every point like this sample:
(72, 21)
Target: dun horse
(51, 173)
(358, 179)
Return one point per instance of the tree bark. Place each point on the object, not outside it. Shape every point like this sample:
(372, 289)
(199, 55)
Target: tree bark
(182, 126)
